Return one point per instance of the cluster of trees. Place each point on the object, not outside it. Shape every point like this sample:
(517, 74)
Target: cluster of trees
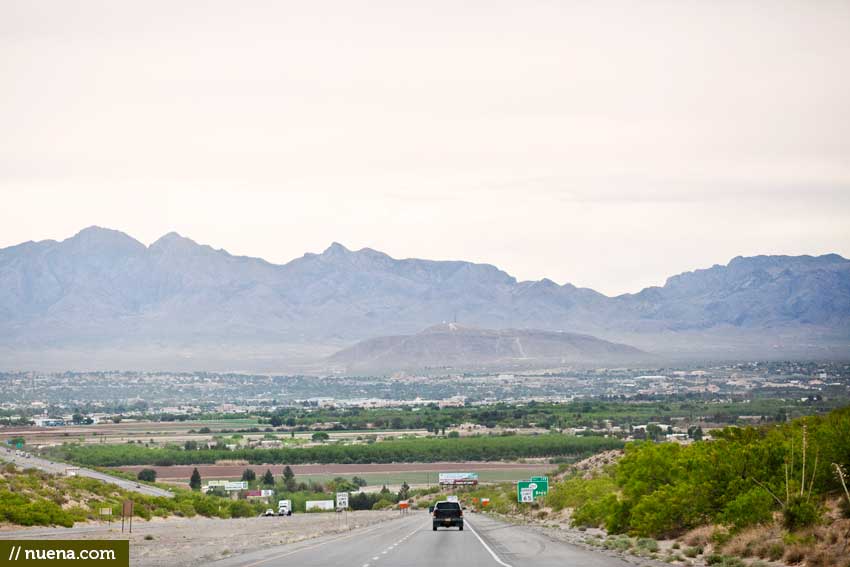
(574, 414)
(739, 479)
(483, 448)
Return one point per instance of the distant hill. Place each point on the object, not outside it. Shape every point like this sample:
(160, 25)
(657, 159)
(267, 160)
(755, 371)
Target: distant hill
(454, 346)
(103, 299)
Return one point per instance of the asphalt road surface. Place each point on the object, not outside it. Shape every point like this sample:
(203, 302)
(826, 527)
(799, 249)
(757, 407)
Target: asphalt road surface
(410, 542)
(59, 468)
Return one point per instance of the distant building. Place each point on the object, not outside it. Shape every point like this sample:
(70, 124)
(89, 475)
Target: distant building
(49, 422)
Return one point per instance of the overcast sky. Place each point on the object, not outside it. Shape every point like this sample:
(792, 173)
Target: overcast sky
(607, 144)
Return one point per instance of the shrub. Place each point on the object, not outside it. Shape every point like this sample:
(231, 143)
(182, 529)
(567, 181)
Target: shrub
(621, 543)
(147, 475)
(186, 509)
(693, 552)
(595, 512)
(749, 508)
(241, 509)
(724, 561)
(383, 504)
(775, 551)
(648, 544)
(800, 513)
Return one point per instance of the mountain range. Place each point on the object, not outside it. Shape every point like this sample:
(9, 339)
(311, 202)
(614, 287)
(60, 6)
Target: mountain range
(104, 298)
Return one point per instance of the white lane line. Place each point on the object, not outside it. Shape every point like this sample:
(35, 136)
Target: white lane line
(375, 558)
(487, 547)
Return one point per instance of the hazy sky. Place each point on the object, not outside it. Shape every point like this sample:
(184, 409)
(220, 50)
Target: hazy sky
(607, 144)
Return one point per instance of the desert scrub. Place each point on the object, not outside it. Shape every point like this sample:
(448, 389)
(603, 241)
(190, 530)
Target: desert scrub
(724, 561)
(648, 544)
(693, 552)
(620, 543)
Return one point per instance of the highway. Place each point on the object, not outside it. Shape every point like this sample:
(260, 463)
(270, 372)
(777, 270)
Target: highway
(59, 468)
(410, 542)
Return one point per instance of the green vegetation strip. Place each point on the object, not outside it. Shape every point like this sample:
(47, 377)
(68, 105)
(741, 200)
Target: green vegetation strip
(484, 448)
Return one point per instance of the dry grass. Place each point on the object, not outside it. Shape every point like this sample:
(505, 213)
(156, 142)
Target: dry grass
(794, 554)
(698, 537)
(754, 542)
(827, 545)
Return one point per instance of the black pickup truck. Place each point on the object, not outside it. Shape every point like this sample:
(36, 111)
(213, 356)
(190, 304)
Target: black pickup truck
(448, 514)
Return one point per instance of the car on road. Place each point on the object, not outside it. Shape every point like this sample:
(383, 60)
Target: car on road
(269, 512)
(447, 515)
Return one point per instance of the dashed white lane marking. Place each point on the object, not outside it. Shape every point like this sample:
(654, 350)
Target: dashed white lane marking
(390, 548)
(487, 547)
(333, 540)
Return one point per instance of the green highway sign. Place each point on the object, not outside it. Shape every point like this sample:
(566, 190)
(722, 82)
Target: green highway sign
(540, 479)
(526, 489)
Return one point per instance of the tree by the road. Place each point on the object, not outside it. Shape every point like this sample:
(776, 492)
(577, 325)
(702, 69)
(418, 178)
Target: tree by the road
(195, 480)
(147, 475)
(249, 475)
(404, 492)
(320, 437)
(289, 479)
(268, 478)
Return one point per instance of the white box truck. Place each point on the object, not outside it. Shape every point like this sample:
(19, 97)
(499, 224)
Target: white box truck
(284, 508)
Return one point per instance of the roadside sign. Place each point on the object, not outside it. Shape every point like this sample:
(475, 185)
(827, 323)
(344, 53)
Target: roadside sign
(540, 479)
(451, 498)
(342, 500)
(403, 504)
(319, 505)
(485, 501)
(536, 488)
(458, 478)
(106, 511)
(526, 495)
(240, 485)
(266, 492)
(221, 483)
(127, 512)
(542, 486)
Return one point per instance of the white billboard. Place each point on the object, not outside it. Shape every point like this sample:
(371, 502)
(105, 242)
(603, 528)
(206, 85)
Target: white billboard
(342, 500)
(240, 485)
(458, 478)
(319, 505)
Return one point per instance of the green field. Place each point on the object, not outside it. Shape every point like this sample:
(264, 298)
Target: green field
(420, 477)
